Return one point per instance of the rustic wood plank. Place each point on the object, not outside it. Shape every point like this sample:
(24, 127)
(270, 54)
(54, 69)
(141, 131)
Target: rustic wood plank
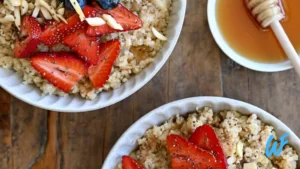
(80, 140)
(5, 130)
(152, 95)
(118, 118)
(50, 157)
(29, 134)
(195, 65)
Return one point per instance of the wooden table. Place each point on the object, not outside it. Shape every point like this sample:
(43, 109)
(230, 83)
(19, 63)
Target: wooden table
(32, 138)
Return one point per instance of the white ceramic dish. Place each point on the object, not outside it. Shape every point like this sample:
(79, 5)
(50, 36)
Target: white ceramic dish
(12, 82)
(262, 67)
(127, 142)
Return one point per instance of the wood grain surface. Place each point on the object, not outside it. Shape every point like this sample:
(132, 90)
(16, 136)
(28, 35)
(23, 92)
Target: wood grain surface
(32, 138)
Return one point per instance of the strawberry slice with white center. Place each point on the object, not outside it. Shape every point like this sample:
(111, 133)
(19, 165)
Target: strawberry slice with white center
(186, 155)
(100, 72)
(63, 70)
(122, 15)
(57, 32)
(130, 163)
(206, 138)
(31, 29)
(86, 47)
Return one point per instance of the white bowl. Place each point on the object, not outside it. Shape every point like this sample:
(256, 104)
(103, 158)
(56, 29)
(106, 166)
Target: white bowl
(214, 28)
(127, 142)
(12, 81)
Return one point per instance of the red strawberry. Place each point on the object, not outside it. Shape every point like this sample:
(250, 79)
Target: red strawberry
(86, 47)
(32, 30)
(63, 70)
(122, 15)
(206, 138)
(186, 155)
(48, 24)
(100, 72)
(56, 32)
(130, 163)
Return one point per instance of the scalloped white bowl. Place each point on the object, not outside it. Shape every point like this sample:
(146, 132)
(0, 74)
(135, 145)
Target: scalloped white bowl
(127, 142)
(231, 53)
(12, 81)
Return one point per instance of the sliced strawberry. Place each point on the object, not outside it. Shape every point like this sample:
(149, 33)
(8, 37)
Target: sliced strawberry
(63, 70)
(186, 155)
(31, 29)
(122, 15)
(86, 47)
(48, 24)
(56, 32)
(100, 72)
(130, 163)
(206, 138)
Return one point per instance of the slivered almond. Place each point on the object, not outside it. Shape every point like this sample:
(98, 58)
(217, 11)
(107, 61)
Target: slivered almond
(18, 17)
(35, 12)
(95, 21)
(159, 35)
(61, 11)
(7, 19)
(77, 8)
(112, 22)
(24, 7)
(46, 13)
(15, 2)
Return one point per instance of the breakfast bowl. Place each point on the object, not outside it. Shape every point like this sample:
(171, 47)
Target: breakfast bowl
(13, 81)
(163, 117)
(232, 53)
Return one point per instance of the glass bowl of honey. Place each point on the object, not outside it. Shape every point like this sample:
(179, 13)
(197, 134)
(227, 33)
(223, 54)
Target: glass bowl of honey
(246, 42)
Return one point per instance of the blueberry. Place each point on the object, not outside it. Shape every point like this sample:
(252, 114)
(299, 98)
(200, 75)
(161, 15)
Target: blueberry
(108, 4)
(68, 4)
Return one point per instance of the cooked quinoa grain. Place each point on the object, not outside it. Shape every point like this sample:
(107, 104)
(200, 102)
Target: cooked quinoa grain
(138, 48)
(243, 139)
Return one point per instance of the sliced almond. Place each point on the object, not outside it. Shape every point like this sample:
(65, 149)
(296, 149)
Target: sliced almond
(35, 12)
(61, 11)
(53, 3)
(159, 35)
(15, 2)
(17, 15)
(77, 8)
(7, 19)
(24, 7)
(46, 13)
(95, 21)
(31, 6)
(62, 18)
(112, 22)
(8, 5)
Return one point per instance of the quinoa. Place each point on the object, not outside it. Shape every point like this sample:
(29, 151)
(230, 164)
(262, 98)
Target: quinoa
(138, 48)
(232, 129)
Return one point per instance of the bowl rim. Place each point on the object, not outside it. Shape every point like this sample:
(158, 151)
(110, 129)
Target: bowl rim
(230, 52)
(141, 79)
(138, 129)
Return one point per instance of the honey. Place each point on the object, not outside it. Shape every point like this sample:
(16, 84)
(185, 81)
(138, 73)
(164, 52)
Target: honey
(246, 38)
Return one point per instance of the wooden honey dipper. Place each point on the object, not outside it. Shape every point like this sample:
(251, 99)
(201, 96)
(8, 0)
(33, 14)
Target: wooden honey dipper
(269, 13)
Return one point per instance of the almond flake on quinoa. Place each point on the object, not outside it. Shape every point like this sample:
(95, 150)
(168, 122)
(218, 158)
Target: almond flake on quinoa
(112, 22)
(7, 19)
(159, 35)
(97, 21)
